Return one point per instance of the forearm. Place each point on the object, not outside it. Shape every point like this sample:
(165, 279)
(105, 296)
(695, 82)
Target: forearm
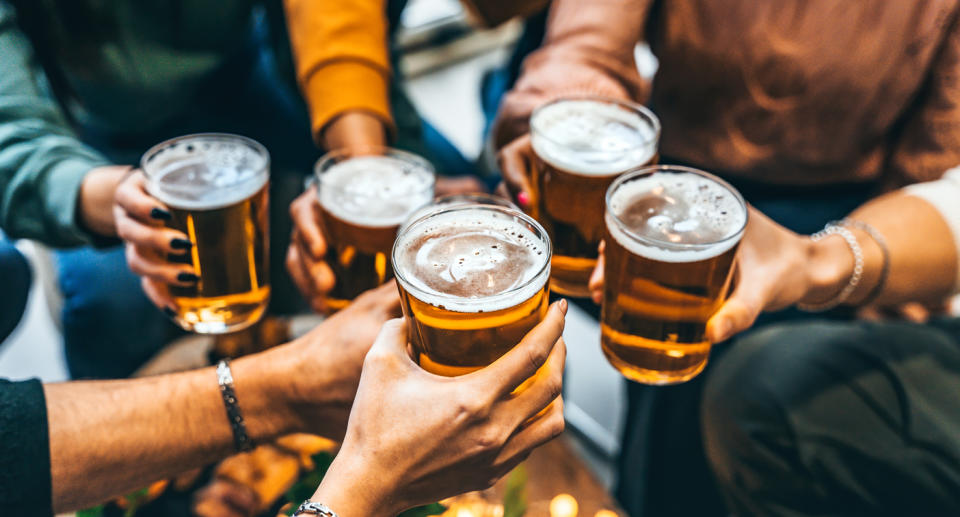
(349, 489)
(922, 254)
(112, 437)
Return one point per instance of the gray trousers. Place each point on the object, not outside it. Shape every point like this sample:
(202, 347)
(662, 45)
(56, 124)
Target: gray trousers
(824, 418)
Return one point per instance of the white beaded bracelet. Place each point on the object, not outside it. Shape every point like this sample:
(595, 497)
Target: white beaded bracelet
(835, 229)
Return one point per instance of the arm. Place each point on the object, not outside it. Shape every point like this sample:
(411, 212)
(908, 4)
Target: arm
(340, 48)
(110, 437)
(45, 190)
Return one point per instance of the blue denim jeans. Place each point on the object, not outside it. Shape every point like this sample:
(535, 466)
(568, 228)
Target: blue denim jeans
(15, 277)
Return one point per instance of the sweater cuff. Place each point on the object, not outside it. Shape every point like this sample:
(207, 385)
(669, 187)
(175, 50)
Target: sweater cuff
(25, 483)
(341, 86)
(63, 183)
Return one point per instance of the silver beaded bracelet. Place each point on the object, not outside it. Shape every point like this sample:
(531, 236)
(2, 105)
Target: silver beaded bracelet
(312, 508)
(836, 229)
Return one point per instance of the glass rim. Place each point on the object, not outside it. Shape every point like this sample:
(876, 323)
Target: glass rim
(639, 109)
(543, 271)
(331, 158)
(201, 137)
(648, 170)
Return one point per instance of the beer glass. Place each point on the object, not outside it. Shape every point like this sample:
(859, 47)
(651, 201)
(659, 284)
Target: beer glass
(364, 199)
(582, 145)
(216, 187)
(473, 282)
(672, 235)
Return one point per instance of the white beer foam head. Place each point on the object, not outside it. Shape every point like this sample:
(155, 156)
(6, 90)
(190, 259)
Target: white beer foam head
(673, 217)
(592, 137)
(471, 259)
(375, 191)
(205, 173)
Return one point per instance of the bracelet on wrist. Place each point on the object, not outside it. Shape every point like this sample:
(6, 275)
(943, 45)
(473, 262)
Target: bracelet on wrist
(884, 252)
(241, 440)
(312, 508)
(855, 277)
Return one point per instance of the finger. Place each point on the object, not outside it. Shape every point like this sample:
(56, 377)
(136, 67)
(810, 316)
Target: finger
(319, 273)
(914, 312)
(162, 240)
(547, 385)
(306, 219)
(515, 166)
(146, 263)
(298, 273)
(448, 186)
(737, 314)
(132, 197)
(596, 277)
(528, 356)
(536, 433)
(159, 295)
(391, 342)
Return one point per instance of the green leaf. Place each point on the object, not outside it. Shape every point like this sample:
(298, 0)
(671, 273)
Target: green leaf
(515, 497)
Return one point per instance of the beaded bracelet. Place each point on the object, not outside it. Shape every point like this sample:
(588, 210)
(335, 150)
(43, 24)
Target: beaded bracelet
(884, 251)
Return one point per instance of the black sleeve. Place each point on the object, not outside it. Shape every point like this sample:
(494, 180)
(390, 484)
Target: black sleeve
(25, 486)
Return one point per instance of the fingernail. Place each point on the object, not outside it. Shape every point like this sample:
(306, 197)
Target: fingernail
(723, 329)
(187, 277)
(170, 312)
(160, 214)
(563, 306)
(523, 198)
(180, 244)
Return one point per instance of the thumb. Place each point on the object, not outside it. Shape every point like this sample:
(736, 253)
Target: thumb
(736, 315)
(391, 341)
(596, 277)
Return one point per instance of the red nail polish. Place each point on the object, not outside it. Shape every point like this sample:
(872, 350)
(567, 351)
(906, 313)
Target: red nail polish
(524, 199)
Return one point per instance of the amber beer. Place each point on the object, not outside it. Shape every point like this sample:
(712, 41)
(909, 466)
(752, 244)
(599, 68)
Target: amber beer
(672, 234)
(216, 187)
(582, 145)
(473, 282)
(364, 200)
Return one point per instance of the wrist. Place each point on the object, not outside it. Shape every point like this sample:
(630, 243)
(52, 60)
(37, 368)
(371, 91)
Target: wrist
(259, 382)
(95, 201)
(351, 488)
(830, 265)
(354, 129)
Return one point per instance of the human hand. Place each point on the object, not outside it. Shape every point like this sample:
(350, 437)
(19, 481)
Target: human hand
(321, 370)
(516, 162)
(306, 256)
(776, 268)
(415, 437)
(140, 223)
(95, 200)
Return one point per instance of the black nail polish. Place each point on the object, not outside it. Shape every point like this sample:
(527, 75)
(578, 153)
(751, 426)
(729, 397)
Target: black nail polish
(180, 244)
(187, 277)
(160, 214)
(170, 312)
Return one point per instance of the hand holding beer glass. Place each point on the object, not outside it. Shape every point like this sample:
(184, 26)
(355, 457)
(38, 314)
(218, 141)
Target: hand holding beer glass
(473, 283)
(672, 236)
(197, 228)
(344, 231)
(576, 148)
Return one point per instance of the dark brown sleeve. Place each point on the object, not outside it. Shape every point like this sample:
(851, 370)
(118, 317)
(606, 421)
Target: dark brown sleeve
(930, 140)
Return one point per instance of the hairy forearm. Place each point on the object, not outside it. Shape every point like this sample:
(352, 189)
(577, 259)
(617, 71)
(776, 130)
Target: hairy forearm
(112, 437)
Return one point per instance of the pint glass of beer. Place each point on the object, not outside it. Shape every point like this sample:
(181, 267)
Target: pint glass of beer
(216, 187)
(364, 200)
(582, 145)
(473, 282)
(672, 234)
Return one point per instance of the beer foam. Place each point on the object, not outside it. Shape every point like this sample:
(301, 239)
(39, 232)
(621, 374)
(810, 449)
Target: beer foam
(591, 137)
(375, 191)
(471, 260)
(675, 217)
(205, 174)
